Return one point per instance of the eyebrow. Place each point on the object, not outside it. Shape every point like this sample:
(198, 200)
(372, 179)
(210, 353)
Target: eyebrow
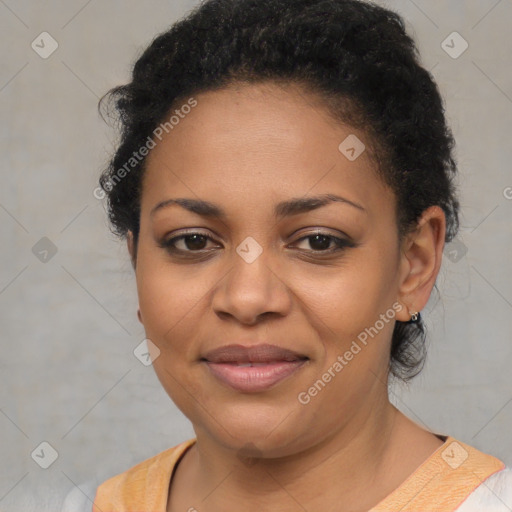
(287, 208)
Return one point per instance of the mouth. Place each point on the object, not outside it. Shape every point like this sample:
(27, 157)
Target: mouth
(253, 369)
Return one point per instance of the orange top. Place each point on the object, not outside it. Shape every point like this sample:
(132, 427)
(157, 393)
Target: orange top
(441, 483)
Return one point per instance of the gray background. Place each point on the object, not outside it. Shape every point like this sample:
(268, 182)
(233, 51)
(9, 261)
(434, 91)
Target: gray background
(69, 326)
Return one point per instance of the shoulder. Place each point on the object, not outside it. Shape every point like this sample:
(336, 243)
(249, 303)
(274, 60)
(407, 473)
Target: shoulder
(131, 487)
(493, 495)
(126, 487)
(447, 480)
(139, 472)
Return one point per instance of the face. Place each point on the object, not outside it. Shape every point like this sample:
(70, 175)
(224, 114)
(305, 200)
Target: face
(312, 279)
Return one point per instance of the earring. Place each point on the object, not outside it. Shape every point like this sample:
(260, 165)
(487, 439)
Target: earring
(415, 317)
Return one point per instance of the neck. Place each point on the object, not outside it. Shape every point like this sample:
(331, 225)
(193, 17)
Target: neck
(360, 458)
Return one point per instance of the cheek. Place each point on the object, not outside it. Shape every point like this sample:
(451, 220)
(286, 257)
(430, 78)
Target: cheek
(346, 299)
(169, 299)
(170, 302)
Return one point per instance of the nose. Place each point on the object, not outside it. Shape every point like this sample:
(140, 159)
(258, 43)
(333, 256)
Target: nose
(251, 290)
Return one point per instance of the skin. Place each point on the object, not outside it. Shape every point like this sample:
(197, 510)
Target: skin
(246, 148)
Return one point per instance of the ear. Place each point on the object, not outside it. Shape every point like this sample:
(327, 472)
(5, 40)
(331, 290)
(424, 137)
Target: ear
(420, 261)
(131, 248)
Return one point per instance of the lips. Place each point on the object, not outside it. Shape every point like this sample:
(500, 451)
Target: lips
(255, 368)
(239, 354)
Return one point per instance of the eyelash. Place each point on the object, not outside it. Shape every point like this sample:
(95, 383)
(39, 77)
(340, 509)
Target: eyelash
(169, 245)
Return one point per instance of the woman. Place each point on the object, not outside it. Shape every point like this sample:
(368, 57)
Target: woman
(284, 182)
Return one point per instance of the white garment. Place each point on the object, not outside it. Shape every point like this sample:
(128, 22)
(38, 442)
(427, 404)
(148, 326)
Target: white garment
(80, 498)
(492, 495)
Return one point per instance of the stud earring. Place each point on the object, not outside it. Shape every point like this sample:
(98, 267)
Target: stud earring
(415, 317)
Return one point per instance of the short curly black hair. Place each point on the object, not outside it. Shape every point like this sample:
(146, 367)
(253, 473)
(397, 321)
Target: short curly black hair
(354, 54)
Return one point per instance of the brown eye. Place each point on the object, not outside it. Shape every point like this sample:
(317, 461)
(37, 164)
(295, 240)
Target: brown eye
(194, 242)
(322, 243)
(187, 243)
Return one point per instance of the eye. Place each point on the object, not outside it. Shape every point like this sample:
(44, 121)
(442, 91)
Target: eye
(322, 243)
(191, 242)
(197, 242)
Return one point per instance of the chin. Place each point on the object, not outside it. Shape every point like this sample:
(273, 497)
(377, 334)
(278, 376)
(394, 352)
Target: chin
(269, 431)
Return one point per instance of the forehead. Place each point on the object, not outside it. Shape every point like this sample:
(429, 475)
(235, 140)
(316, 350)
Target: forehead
(250, 142)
